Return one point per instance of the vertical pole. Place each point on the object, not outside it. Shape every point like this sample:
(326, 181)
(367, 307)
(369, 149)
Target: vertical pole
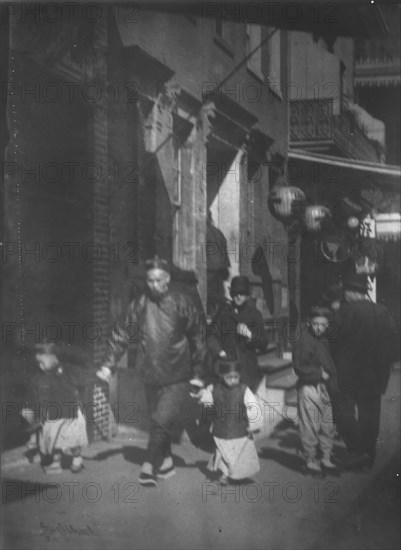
(293, 263)
(368, 230)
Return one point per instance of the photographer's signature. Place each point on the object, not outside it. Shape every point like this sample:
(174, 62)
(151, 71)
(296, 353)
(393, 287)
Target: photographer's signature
(65, 530)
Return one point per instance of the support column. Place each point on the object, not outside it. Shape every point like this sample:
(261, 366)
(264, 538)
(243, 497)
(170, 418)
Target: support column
(103, 419)
(199, 207)
(294, 272)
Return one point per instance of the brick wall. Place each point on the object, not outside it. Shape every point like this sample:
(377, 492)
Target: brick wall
(102, 417)
(99, 425)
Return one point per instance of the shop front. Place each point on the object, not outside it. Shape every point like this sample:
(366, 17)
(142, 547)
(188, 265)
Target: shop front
(351, 223)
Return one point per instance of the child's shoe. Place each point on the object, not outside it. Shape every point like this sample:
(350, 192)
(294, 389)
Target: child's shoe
(77, 464)
(313, 467)
(55, 466)
(223, 479)
(329, 466)
(32, 456)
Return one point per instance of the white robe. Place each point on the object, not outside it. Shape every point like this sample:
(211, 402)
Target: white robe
(236, 458)
(63, 434)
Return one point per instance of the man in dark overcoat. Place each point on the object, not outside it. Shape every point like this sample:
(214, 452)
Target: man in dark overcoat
(363, 347)
(166, 325)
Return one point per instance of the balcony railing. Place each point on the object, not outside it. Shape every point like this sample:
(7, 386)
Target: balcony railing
(313, 126)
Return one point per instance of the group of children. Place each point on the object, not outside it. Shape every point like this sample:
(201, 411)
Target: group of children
(235, 455)
(61, 429)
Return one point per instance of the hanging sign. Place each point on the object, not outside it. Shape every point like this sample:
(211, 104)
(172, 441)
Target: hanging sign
(367, 230)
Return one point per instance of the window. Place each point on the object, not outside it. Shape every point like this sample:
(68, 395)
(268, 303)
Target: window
(274, 60)
(180, 189)
(176, 198)
(343, 91)
(177, 252)
(224, 34)
(254, 39)
(265, 61)
(177, 171)
(253, 174)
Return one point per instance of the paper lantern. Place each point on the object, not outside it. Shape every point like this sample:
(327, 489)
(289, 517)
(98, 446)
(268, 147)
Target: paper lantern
(286, 203)
(315, 215)
(353, 222)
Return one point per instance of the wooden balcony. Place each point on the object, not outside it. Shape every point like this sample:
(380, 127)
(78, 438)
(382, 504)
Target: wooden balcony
(314, 127)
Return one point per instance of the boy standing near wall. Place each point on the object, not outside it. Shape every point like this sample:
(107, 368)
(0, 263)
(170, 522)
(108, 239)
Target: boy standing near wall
(317, 378)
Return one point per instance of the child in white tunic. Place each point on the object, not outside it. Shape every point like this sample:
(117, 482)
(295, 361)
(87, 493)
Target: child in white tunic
(236, 414)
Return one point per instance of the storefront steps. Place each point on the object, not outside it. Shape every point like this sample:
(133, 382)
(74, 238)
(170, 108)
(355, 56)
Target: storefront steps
(277, 392)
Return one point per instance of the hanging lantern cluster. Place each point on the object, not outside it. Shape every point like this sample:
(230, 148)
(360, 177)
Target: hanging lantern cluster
(353, 213)
(287, 203)
(315, 215)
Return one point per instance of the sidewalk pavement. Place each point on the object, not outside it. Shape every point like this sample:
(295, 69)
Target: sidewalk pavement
(105, 507)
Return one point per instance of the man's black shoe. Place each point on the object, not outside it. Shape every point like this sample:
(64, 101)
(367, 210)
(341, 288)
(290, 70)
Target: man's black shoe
(166, 473)
(147, 479)
(358, 462)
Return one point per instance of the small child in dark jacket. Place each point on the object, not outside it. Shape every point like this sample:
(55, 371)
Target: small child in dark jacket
(54, 407)
(317, 380)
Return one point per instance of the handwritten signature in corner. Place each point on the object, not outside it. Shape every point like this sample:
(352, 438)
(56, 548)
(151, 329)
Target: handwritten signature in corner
(65, 530)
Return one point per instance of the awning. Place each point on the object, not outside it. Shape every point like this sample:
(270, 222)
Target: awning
(362, 175)
(366, 173)
(324, 18)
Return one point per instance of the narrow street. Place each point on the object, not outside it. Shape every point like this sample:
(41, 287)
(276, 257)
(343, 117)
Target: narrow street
(280, 509)
(198, 191)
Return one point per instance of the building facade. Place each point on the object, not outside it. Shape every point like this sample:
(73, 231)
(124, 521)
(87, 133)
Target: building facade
(164, 131)
(338, 156)
(121, 146)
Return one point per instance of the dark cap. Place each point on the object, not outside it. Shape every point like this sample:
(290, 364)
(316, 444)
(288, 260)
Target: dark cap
(334, 291)
(319, 311)
(157, 263)
(239, 285)
(226, 366)
(356, 281)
